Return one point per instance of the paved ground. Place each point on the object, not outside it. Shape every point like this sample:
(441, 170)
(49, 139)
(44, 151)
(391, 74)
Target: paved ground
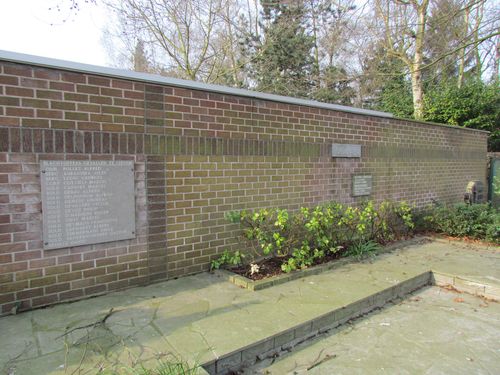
(203, 317)
(433, 331)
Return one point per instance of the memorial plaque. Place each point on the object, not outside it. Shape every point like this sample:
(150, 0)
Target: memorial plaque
(340, 150)
(86, 202)
(361, 185)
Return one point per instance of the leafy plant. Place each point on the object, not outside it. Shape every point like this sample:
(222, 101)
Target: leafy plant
(360, 250)
(395, 220)
(227, 258)
(496, 185)
(478, 221)
(474, 105)
(272, 230)
(493, 230)
(302, 257)
(306, 236)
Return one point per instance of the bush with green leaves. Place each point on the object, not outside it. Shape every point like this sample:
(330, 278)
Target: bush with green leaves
(227, 259)
(301, 238)
(477, 221)
(474, 105)
(396, 220)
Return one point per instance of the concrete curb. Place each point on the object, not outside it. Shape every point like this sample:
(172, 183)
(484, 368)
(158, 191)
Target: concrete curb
(490, 292)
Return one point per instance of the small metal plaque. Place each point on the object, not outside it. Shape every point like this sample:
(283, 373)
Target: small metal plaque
(340, 150)
(361, 185)
(86, 202)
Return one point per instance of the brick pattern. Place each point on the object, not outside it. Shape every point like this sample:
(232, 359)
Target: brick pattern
(157, 219)
(197, 155)
(86, 102)
(69, 141)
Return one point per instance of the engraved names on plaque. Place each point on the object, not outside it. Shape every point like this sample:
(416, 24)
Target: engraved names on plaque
(87, 202)
(361, 185)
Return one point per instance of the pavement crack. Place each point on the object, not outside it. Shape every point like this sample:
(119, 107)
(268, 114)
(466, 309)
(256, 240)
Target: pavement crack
(203, 337)
(99, 322)
(319, 361)
(9, 364)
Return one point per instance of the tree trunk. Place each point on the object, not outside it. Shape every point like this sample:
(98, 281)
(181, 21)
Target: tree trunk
(477, 54)
(417, 92)
(496, 65)
(461, 66)
(417, 87)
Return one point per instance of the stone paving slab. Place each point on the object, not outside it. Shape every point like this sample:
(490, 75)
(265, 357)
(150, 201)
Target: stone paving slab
(206, 320)
(433, 331)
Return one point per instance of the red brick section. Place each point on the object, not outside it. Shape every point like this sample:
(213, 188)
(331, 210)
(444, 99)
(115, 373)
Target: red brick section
(197, 155)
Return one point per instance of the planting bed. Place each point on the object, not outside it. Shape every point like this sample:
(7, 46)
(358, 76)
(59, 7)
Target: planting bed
(270, 272)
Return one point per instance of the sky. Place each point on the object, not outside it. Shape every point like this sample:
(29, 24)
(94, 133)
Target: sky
(36, 27)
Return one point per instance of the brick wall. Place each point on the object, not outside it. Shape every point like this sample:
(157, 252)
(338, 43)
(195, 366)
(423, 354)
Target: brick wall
(197, 155)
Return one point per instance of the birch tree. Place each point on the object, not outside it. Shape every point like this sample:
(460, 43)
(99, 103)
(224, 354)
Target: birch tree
(404, 23)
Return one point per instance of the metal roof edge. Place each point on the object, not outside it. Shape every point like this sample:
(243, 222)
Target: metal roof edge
(48, 62)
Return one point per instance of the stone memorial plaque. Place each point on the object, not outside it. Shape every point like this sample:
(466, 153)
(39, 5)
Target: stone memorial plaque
(361, 185)
(340, 150)
(87, 202)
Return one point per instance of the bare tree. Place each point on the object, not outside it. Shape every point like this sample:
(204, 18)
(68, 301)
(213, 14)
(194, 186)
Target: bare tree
(405, 24)
(217, 40)
(240, 22)
(180, 32)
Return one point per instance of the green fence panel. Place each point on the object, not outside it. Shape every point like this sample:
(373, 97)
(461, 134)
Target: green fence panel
(494, 188)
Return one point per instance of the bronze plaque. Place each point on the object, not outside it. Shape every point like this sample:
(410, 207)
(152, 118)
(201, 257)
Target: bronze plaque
(87, 202)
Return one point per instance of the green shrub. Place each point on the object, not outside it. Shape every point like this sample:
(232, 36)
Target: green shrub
(303, 237)
(272, 231)
(493, 230)
(227, 258)
(421, 219)
(478, 221)
(396, 220)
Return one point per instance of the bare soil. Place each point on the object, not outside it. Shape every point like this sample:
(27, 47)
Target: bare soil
(269, 267)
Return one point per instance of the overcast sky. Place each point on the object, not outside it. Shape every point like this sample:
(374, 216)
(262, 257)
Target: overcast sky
(28, 26)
